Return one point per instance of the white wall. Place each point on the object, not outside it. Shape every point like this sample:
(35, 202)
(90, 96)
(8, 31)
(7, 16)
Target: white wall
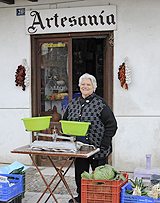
(137, 110)
(14, 103)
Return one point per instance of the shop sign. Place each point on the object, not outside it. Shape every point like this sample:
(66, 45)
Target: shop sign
(80, 19)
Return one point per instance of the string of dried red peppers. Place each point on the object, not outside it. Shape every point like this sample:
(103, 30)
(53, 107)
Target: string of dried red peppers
(122, 76)
(20, 77)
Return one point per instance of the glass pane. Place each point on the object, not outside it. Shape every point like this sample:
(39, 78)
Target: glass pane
(54, 78)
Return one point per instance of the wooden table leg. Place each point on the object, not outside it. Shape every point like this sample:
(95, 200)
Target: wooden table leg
(47, 185)
(59, 172)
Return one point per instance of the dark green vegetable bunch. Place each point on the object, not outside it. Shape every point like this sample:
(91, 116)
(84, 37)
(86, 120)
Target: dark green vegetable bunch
(18, 171)
(138, 187)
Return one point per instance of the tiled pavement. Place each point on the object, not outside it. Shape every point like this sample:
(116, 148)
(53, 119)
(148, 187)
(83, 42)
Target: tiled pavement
(32, 197)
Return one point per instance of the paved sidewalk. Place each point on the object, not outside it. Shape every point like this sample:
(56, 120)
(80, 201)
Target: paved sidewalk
(32, 197)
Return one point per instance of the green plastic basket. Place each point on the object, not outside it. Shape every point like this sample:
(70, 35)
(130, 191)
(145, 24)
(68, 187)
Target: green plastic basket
(74, 128)
(37, 123)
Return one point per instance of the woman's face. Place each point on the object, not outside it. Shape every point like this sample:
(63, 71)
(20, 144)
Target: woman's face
(86, 88)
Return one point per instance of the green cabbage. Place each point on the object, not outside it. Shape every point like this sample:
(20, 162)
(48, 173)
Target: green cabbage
(105, 172)
(86, 175)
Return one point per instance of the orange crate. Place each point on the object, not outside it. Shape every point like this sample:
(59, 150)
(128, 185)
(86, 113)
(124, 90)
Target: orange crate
(101, 191)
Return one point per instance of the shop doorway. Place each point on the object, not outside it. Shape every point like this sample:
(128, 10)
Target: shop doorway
(58, 60)
(88, 57)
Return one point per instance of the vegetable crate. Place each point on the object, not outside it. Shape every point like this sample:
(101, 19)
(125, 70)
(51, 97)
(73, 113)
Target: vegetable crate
(12, 188)
(101, 191)
(127, 198)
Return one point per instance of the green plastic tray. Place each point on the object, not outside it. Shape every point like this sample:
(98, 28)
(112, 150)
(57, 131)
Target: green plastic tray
(37, 123)
(74, 128)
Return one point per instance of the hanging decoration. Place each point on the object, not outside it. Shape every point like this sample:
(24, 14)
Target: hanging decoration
(22, 75)
(124, 74)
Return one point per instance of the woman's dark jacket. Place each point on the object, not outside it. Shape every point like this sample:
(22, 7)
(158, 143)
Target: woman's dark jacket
(103, 123)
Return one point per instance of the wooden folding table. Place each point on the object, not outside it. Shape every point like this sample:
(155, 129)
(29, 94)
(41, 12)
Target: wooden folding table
(59, 171)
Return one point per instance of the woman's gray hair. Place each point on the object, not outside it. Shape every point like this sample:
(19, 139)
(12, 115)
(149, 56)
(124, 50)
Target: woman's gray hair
(88, 76)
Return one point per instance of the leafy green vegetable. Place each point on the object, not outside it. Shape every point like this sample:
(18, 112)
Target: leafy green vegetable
(86, 175)
(104, 172)
(18, 171)
(138, 187)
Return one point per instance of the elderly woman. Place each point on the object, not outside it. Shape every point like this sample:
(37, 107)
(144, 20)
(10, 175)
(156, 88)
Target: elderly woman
(91, 108)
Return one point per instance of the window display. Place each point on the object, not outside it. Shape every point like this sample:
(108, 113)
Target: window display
(54, 77)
